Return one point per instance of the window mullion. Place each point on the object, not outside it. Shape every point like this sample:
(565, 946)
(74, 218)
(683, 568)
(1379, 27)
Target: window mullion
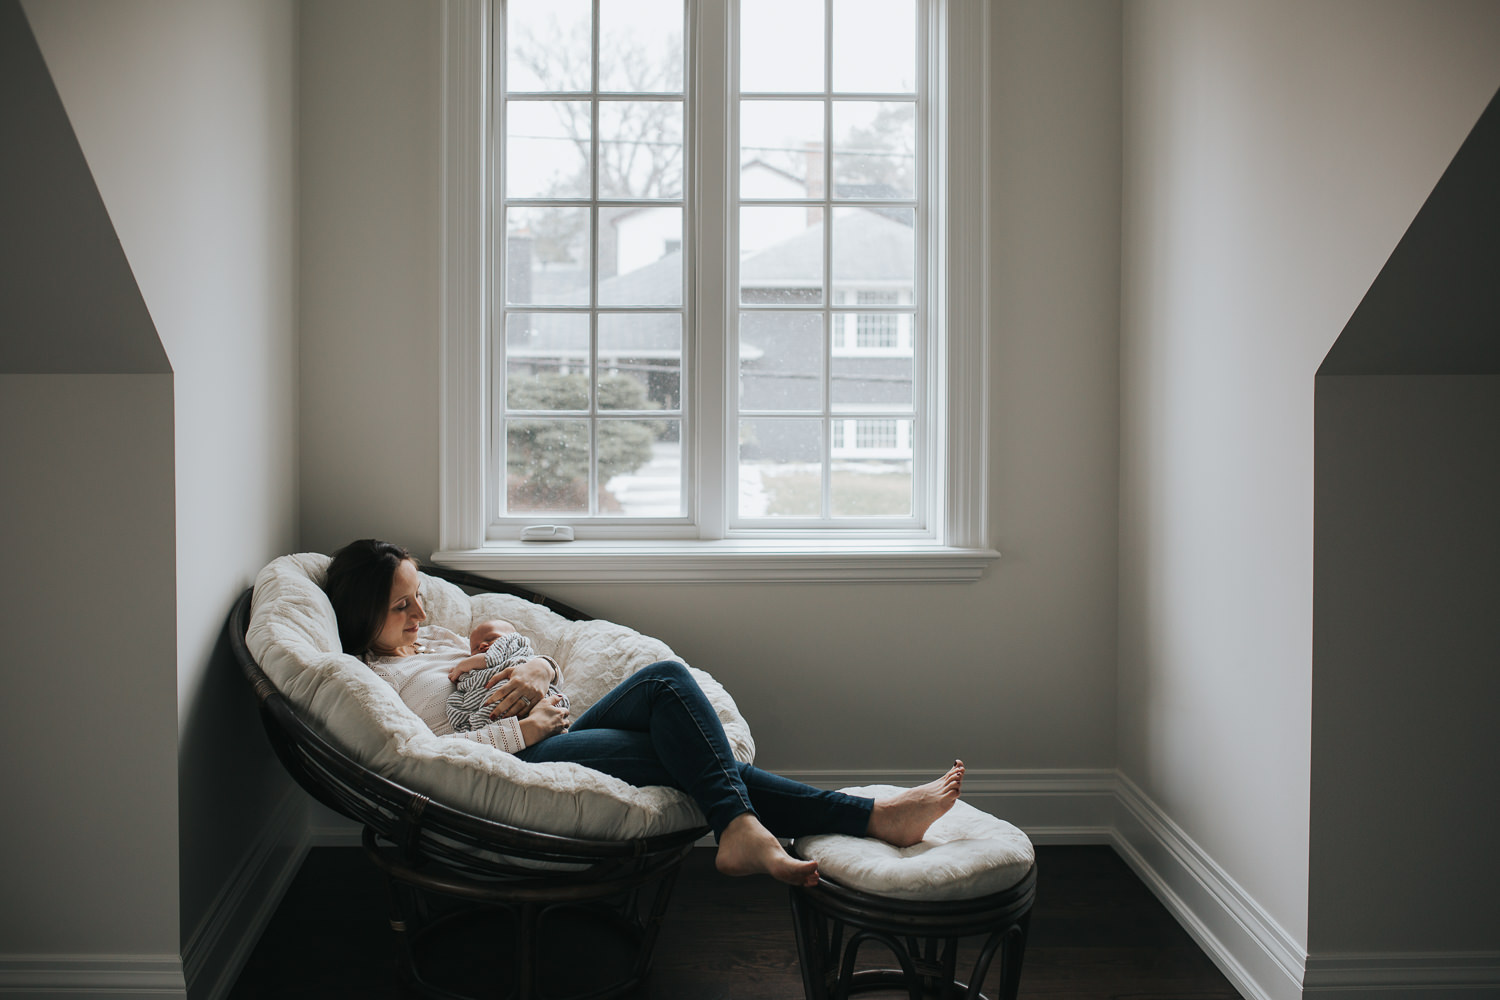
(712, 319)
(591, 365)
(828, 314)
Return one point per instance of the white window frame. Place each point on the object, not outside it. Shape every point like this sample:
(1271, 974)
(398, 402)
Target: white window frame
(954, 546)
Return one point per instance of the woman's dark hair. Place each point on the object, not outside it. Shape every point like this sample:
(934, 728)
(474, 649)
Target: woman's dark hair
(359, 586)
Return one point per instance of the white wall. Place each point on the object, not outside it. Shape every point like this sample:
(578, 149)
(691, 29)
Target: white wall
(1274, 154)
(1015, 671)
(186, 115)
(369, 237)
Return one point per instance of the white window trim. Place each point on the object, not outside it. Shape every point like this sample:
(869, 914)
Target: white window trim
(957, 280)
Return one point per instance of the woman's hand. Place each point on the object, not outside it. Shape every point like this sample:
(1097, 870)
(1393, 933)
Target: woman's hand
(548, 718)
(520, 689)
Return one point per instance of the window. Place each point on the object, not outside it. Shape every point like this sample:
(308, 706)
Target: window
(880, 329)
(702, 297)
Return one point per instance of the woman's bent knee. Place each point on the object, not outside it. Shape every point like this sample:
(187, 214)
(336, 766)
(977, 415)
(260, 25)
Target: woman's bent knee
(670, 670)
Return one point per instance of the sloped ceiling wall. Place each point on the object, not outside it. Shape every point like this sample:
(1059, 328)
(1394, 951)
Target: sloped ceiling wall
(70, 300)
(1435, 306)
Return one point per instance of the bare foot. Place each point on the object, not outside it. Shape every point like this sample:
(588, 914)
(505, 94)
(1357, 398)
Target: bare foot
(903, 818)
(746, 847)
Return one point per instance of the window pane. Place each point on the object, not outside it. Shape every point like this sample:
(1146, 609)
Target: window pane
(867, 383)
(644, 351)
(547, 256)
(872, 250)
(875, 46)
(547, 45)
(640, 465)
(781, 46)
(640, 46)
(781, 149)
(547, 361)
(781, 470)
(640, 256)
(871, 488)
(874, 149)
(640, 149)
(781, 361)
(781, 255)
(547, 466)
(548, 147)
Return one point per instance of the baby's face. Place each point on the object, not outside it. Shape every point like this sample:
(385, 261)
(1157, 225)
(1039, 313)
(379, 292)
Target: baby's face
(487, 633)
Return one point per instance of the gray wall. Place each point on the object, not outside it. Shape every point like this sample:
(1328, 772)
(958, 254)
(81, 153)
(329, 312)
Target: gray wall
(1406, 679)
(1015, 671)
(89, 588)
(185, 113)
(1274, 154)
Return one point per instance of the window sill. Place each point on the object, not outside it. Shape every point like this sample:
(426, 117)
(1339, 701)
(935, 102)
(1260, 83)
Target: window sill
(757, 561)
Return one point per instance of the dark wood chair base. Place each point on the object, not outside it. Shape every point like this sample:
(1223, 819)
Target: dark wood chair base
(522, 938)
(923, 937)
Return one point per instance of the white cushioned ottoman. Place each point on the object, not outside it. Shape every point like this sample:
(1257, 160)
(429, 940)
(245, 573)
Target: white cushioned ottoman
(966, 853)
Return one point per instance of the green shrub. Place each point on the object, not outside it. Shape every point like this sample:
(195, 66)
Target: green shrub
(548, 460)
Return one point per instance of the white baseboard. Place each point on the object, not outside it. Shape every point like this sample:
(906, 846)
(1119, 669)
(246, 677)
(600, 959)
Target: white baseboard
(218, 947)
(1248, 945)
(1468, 975)
(53, 977)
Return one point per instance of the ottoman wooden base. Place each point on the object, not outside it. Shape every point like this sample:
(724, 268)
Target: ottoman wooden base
(832, 922)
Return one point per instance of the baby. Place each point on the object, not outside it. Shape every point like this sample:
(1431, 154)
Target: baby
(502, 647)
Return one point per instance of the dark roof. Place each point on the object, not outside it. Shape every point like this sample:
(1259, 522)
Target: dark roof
(867, 246)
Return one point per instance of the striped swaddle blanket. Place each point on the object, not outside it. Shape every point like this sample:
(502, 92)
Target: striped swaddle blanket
(466, 705)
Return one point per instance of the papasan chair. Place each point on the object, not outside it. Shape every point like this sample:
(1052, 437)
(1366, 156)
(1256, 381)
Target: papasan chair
(557, 858)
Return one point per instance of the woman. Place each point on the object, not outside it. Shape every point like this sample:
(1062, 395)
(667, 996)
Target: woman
(655, 728)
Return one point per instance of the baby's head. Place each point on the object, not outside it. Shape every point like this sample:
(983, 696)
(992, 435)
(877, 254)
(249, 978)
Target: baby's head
(487, 632)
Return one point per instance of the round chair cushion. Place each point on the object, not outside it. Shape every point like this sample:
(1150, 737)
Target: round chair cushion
(294, 637)
(966, 854)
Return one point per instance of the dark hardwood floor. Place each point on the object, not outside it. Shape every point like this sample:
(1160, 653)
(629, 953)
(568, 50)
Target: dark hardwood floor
(1096, 933)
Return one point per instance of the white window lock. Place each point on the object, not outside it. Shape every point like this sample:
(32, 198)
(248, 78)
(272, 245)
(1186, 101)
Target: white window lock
(547, 533)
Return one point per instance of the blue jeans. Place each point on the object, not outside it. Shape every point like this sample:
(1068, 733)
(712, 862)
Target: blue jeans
(657, 728)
